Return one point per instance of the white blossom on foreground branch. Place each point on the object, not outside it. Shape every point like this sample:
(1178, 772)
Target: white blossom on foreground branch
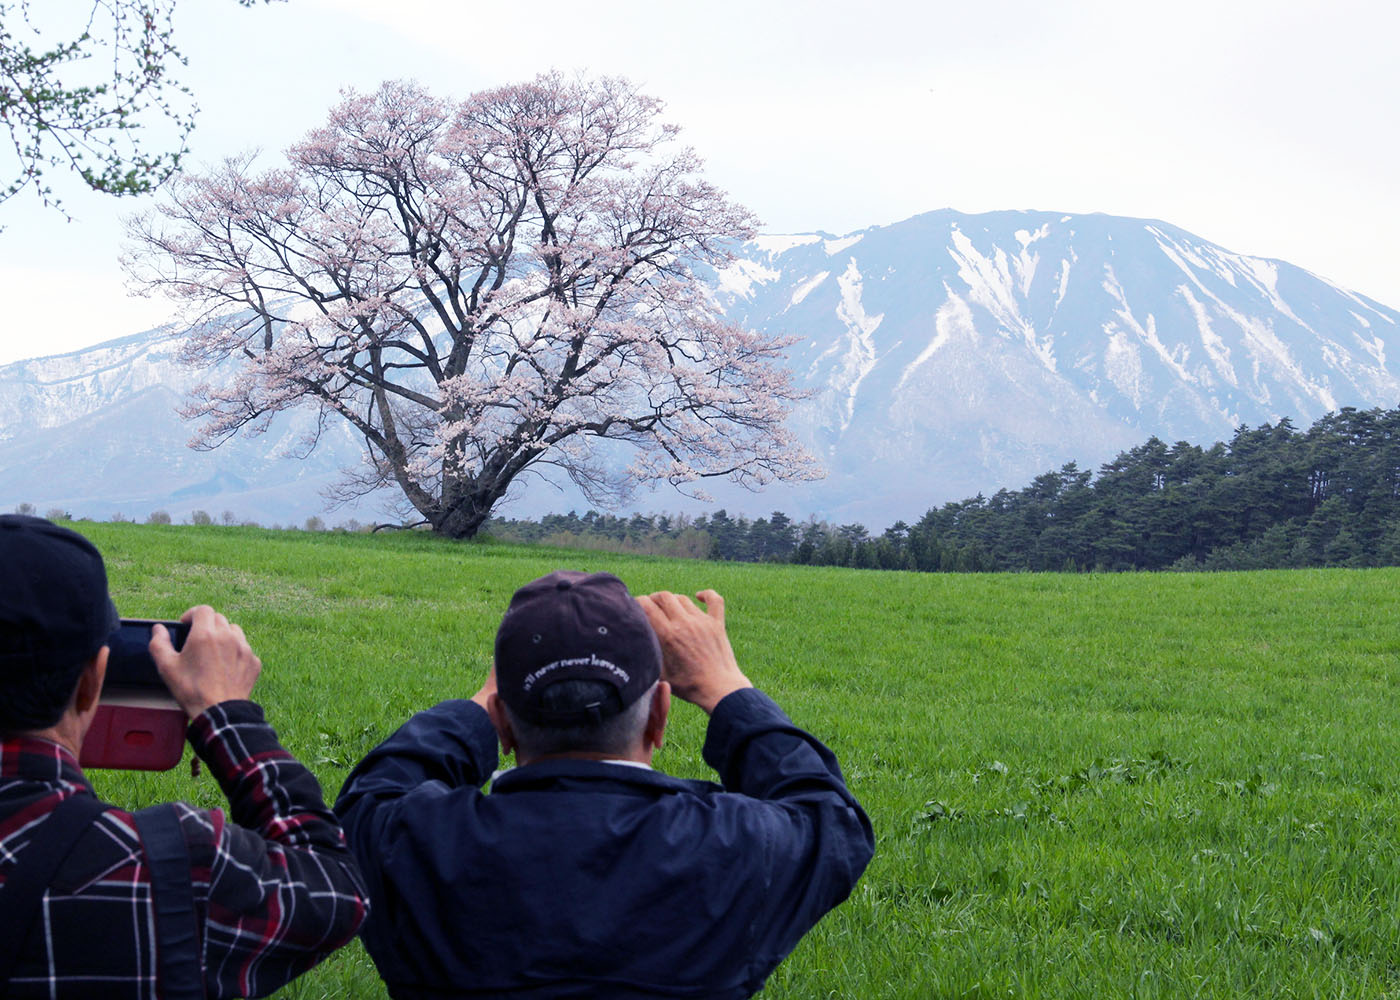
(481, 288)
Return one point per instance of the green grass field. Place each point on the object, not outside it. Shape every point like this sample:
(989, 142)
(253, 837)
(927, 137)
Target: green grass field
(1082, 786)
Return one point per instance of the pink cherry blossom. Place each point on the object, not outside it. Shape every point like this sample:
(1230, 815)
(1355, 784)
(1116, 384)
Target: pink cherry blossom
(480, 288)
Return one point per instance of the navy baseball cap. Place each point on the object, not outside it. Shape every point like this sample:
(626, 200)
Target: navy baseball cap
(55, 611)
(574, 626)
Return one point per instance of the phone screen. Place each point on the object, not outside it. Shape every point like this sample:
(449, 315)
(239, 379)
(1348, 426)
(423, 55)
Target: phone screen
(129, 663)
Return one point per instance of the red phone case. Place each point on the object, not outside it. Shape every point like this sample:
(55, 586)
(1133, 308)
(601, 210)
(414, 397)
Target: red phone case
(135, 732)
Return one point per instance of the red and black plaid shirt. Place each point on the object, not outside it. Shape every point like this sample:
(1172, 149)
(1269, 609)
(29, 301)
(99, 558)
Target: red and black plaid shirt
(275, 890)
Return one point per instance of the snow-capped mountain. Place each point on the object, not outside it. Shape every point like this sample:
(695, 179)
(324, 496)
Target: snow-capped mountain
(955, 354)
(948, 355)
(96, 433)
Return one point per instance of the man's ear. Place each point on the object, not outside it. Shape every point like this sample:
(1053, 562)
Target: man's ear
(90, 683)
(496, 709)
(655, 732)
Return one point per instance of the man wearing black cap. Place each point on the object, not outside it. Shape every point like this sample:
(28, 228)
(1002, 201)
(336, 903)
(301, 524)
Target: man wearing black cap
(173, 902)
(585, 873)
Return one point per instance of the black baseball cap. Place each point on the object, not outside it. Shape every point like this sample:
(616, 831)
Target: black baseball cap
(574, 626)
(55, 611)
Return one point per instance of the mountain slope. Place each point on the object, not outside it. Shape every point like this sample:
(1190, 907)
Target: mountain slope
(97, 433)
(957, 353)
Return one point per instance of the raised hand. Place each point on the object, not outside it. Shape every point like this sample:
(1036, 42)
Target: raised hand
(215, 664)
(696, 657)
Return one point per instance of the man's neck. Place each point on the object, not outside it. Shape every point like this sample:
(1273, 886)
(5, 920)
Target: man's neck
(633, 757)
(64, 735)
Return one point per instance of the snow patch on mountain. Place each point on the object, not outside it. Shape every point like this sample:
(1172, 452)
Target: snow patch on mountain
(1146, 330)
(833, 247)
(1122, 362)
(806, 288)
(1374, 347)
(952, 318)
(1264, 274)
(1363, 303)
(1025, 237)
(773, 245)
(1063, 280)
(1182, 260)
(1200, 257)
(1267, 349)
(741, 275)
(1215, 347)
(860, 353)
(1259, 334)
(998, 286)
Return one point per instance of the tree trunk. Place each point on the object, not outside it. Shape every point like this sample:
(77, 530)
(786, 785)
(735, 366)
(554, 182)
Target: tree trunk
(463, 520)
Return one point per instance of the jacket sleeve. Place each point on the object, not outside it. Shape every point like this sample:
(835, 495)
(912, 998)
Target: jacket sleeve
(278, 887)
(450, 745)
(817, 838)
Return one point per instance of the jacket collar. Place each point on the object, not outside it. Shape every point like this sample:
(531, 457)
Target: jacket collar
(26, 758)
(558, 771)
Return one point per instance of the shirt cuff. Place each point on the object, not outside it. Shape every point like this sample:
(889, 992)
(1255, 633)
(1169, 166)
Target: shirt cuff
(210, 731)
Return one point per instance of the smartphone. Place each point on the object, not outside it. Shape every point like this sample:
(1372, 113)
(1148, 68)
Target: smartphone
(139, 726)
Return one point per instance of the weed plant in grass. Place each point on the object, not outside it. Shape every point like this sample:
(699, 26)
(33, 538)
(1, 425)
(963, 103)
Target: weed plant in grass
(1082, 786)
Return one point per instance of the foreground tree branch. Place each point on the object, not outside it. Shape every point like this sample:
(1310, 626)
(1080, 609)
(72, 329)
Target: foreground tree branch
(480, 288)
(81, 84)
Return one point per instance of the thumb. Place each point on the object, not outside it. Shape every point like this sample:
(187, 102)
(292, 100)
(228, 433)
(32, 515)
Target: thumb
(162, 651)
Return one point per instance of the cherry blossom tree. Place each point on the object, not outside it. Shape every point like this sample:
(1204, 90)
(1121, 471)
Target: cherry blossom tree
(483, 288)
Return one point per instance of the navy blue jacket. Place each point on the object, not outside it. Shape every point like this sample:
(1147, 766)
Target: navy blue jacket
(578, 878)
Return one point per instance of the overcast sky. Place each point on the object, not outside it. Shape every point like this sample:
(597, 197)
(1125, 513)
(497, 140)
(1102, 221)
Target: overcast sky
(1266, 127)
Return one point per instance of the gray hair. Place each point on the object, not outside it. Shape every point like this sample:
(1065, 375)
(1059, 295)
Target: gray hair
(615, 734)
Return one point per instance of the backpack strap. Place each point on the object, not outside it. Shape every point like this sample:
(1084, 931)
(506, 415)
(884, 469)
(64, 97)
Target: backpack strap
(181, 972)
(50, 843)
